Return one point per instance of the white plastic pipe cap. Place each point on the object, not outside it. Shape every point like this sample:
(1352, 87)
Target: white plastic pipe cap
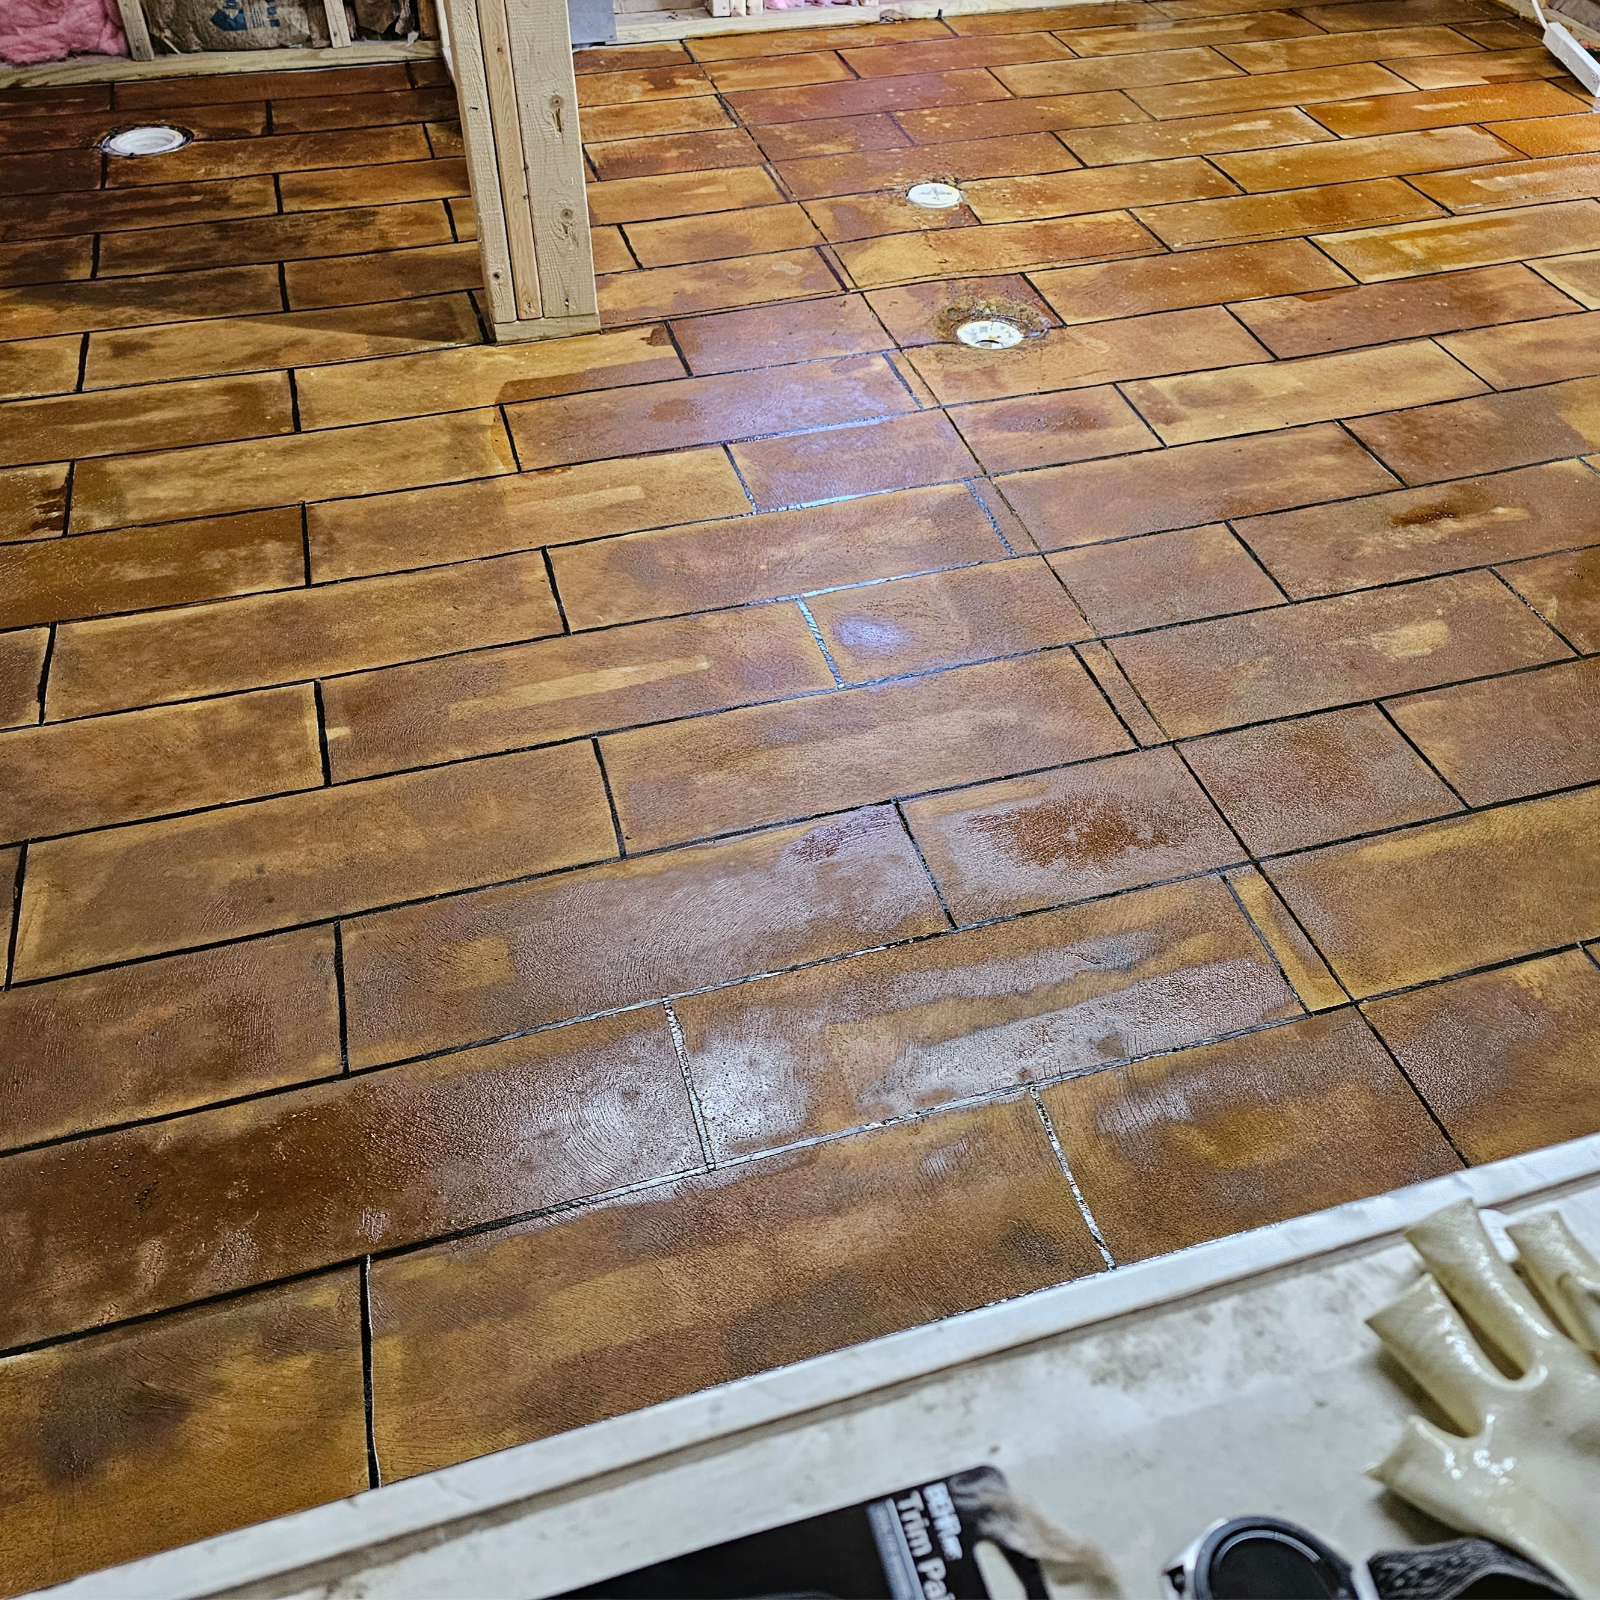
(151, 141)
(989, 333)
(935, 196)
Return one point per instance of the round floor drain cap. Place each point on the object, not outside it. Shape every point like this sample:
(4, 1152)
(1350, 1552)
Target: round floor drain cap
(935, 196)
(150, 141)
(989, 333)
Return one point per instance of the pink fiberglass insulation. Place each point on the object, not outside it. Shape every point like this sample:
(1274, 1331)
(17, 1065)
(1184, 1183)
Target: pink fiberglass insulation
(47, 30)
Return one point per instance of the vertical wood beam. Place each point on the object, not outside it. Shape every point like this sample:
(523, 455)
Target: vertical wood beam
(137, 30)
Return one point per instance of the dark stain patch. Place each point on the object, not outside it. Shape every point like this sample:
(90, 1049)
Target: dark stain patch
(1424, 516)
(1074, 829)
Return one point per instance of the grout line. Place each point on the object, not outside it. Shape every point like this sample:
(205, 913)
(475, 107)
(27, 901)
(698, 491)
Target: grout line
(283, 287)
(994, 522)
(1427, 1106)
(374, 1469)
(16, 915)
(44, 671)
(294, 406)
(341, 997)
(1421, 754)
(1072, 1182)
(322, 736)
(1494, 571)
(1272, 955)
(681, 1048)
(611, 799)
(822, 644)
(305, 552)
(933, 882)
(83, 364)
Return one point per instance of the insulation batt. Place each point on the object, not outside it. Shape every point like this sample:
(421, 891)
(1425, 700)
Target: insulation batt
(32, 31)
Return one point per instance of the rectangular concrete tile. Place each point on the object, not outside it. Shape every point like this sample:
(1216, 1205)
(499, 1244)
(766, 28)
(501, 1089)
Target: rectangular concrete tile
(259, 86)
(1095, 14)
(158, 886)
(39, 366)
(768, 335)
(297, 634)
(33, 501)
(1517, 355)
(1382, 156)
(1044, 114)
(181, 1446)
(780, 553)
(628, 58)
(1153, 35)
(1549, 136)
(1397, 14)
(566, 687)
(652, 83)
(562, 1321)
(290, 152)
(1449, 896)
(763, 42)
(1088, 831)
(779, 72)
(363, 186)
(610, 251)
(1270, 216)
(866, 216)
(1314, 324)
(1438, 108)
(758, 231)
(1482, 66)
(46, 260)
(716, 285)
(1565, 590)
(273, 472)
(1304, 970)
(316, 112)
(1509, 737)
(1118, 72)
(831, 136)
(1505, 1059)
(129, 1222)
(1340, 49)
(121, 210)
(741, 769)
(1207, 676)
(384, 275)
(954, 162)
(653, 118)
(942, 619)
(684, 152)
(1161, 578)
(964, 87)
(57, 132)
(46, 309)
(927, 313)
(1232, 1136)
(1514, 183)
(1045, 430)
(1193, 136)
(1145, 183)
(492, 516)
(1214, 405)
(168, 1035)
(1248, 93)
(945, 55)
(22, 659)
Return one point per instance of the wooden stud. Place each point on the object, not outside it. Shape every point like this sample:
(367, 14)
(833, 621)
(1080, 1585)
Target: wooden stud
(511, 170)
(338, 24)
(137, 30)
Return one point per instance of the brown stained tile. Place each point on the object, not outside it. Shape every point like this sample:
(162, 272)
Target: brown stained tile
(875, 263)
(272, 238)
(779, 72)
(1193, 136)
(33, 502)
(133, 302)
(898, 1031)
(1269, 216)
(1158, 33)
(315, 113)
(864, 458)
(1207, 676)
(1505, 34)
(460, 522)
(629, 57)
(1151, 183)
(380, 185)
(1439, 108)
(46, 260)
(946, 163)
(1352, 159)
(476, 966)
(567, 687)
(328, 465)
(152, 417)
(774, 1261)
(1505, 1059)
(913, 314)
(1396, 14)
(1068, 506)
(945, 55)
(129, 210)
(1251, 93)
(771, 335)
(1117, 72)
(1231, 1136)
(687, 152)
(743, 769)
(1448, 896)
(1341, 319)
(1388, 538)
(22, 657)
(912, 92)
(680, 194)
(298, 633)
(166, 1036)
(1510, 737)
(167, 1435)
(98, 898)
(1407, 251)
(1045, 430)
(652, 83)
(233, 1196)
(653, 118)
(67, 776)
(610, 249)
(944, 619)
(993, 119)
(771, 42)
(1091, 830)
(1287, 785)
(781, 553)
(1306, 972)
(51, 172)
(1502, 430)
(831, 136)
(1482, 66)
(761, 230)
(22, 133)
(1549, 136)
(291, 85)
(1521, 354)
(293, 152)
(444, 139)
(1514, 183)
(1565, 590)
(1342, 49)
(57, 101)
(427, 73)
(1313, 389)
(866, 215)
(692, 411)
(1196, 278)
(1095, 14)
(30, 367)
(1162, 578)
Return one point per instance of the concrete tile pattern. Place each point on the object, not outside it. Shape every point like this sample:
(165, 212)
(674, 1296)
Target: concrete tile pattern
(539, 878)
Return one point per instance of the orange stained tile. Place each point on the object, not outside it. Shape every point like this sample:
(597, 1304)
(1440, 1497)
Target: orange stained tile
(314, 113)
(298, 634)
(781, 1259)
(33, 501)
(1445, 897)
(860, 458)
(1505, 34)
(629, 57)
(653, 117)
(474, 966)
(1008, 247)
(385, 185)
(45, 309)
(779, 553)
(680, 194)
(1096, 13)
(1045, 430)
(736, 46)
(30, 367)
(1482, 66)
(290, 85)
(68, 776)
(757, 106)
(691, 411)
(426, 1149)
(1342, 49)
(1117, 72)
(1286, 785)
(1504, 430)
(1312, 389)
(182, 1446)
(1086, 831)
(1438, 108)
(865, 216)
(292, 152)
(1385, 14)
(943, 619)
(1519, 354)
(1505, 1059)
(831, 136)
(778, 72)
(945, 55)
(1305, 971)
(1193, 136)
(946, 163)
(1076, 357)
(894, 1032)
(1508, 737)
(1514, 183)
(1267, 216)
(1236, 1135)
(1256, 93)
(127, 490)
(722, 233)
(460, 522)
(1095, 189)
(1201, 277)
(1351, 159)
(1160, 33)
(46, 260)
(22, 658)
(96, 898)
(1340, 319)
(127, 210)
(919, 312)
(687, 152)
(769, 335)
(940, 124)
(1388, 538)
(1407, 251)
(1549, 136)
(671, 82)
(169, 1035)
(1565, 590)
(611, 252)
(1160, 578)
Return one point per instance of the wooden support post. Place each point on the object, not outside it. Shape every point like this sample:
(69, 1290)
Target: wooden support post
(512, 61)
(136, 29)
(338, 24)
